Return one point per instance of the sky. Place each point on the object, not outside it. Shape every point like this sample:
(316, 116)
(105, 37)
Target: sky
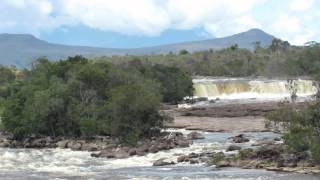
(141, 23)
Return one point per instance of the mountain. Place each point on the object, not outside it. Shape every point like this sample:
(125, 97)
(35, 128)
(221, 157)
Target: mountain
(21, 49)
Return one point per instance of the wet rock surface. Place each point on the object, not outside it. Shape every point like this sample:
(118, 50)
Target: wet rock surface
(195, 135)
(233, 148)
(163, 162)
(103, 146)
(239, 139)
(271, 157)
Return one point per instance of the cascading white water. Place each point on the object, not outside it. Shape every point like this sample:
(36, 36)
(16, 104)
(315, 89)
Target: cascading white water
(246, 89)
(68, 164)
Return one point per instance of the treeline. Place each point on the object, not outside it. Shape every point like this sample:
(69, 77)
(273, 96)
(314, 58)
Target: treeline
(280, 59)
(78, 97)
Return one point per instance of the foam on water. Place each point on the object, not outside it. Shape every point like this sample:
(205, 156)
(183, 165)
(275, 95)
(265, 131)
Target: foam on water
(67, 164)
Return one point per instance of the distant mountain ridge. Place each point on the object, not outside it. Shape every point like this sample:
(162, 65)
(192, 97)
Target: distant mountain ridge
(21, 49)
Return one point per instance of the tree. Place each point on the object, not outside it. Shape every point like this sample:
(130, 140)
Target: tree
(279, 45)
(234, 47)
(175, 83)
(183, 52)
(133, 110)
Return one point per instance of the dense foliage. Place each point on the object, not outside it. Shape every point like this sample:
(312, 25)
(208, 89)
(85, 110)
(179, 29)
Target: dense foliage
(302, 128)
(77, 97)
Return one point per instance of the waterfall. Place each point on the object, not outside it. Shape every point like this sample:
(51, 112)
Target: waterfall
(239, 89)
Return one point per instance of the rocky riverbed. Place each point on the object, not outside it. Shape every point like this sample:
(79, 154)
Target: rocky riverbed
(105, 146)
(191, 162)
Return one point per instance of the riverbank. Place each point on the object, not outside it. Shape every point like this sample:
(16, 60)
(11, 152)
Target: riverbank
(271, 157)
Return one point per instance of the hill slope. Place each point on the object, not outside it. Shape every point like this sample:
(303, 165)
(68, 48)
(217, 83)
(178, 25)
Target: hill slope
(21, 49)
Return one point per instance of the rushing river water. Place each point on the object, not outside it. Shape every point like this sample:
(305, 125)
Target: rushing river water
(66, 164)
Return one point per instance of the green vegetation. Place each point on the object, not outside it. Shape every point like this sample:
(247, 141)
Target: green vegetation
(121, 95)
(302, 128)
(280, 59)
(78, 97)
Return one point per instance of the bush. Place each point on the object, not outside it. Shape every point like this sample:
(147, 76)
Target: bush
(302, 128)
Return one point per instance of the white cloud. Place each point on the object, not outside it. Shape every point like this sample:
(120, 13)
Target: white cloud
(21, 16)
(301, 5)
(232, 26)
(139, 17)
(128, 17)
(301, 39)
(297, 23)
(286, 23)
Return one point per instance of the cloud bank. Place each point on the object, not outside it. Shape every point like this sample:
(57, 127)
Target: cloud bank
(296, 21)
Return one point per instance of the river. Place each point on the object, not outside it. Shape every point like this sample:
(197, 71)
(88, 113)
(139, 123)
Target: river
(66, 164)
(56, 164)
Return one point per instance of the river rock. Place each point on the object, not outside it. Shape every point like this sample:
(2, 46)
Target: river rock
(163, 162)
(277, 139)
(121, 154)
(39, 143)
(195, 135)
(4, 144)
(240, 139)
(193, 155)
(153, 149)
(233, 148)
(89, 147)
(74, 145)
(183, 158)
(62, 143)
(223, 163)
(105, 153)
(132, 152)
(194, 161)
(183, 143)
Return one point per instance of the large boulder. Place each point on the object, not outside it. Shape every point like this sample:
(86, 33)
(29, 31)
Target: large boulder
(163, 162)
(195, 135)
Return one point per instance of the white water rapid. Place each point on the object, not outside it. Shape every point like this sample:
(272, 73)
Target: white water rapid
(58, 164)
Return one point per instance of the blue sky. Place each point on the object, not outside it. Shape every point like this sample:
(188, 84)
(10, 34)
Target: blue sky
(140, 23)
